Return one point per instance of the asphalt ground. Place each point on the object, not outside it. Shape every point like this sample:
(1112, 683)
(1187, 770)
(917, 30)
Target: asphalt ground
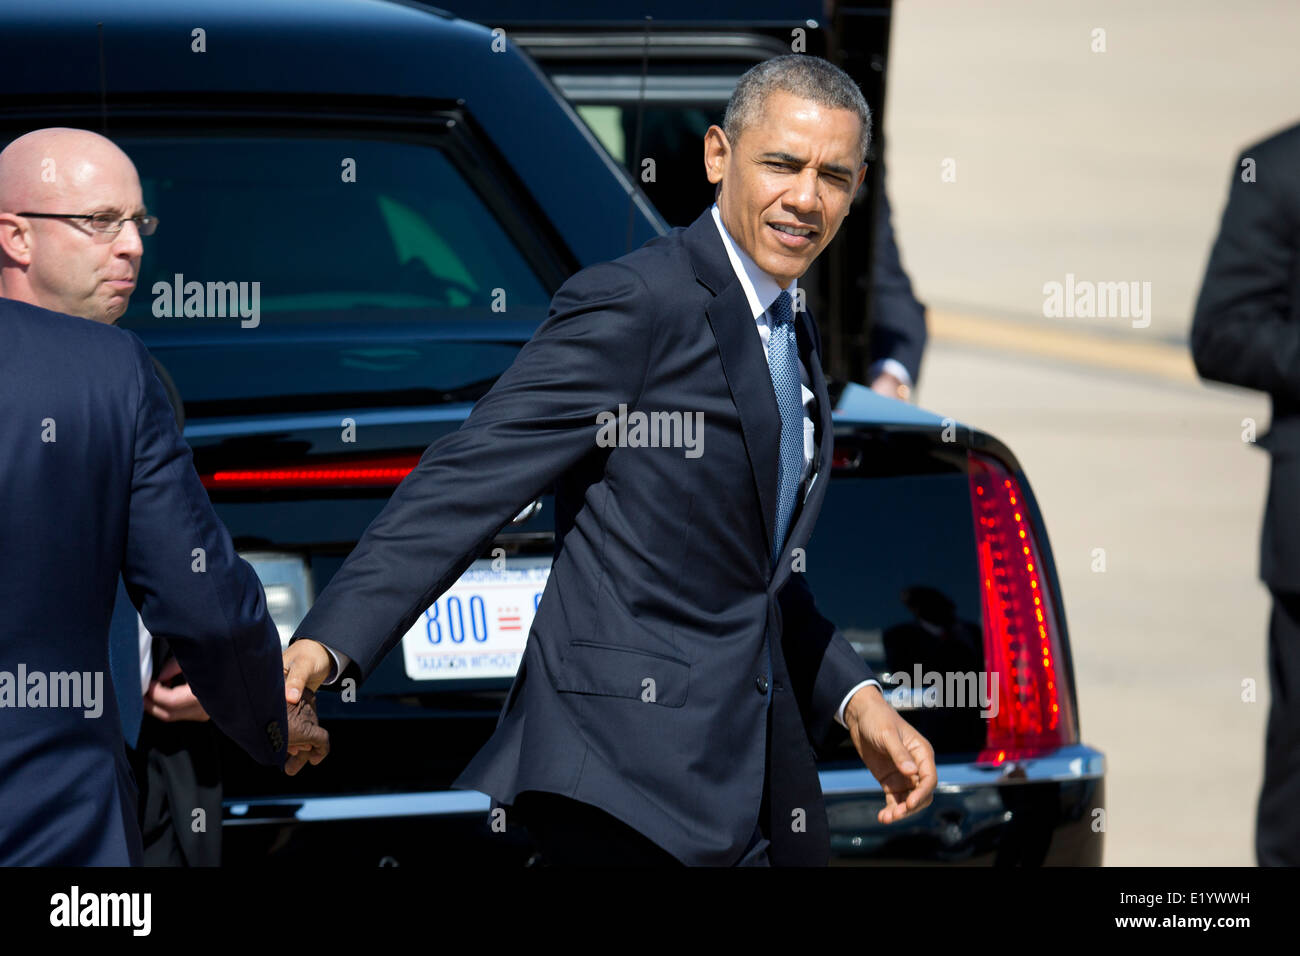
(1109, 166)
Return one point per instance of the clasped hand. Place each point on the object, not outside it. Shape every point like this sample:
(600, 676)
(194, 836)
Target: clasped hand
(304, 671)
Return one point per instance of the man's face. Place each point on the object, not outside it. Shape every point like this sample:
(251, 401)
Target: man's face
(74, 269)
(797, 168)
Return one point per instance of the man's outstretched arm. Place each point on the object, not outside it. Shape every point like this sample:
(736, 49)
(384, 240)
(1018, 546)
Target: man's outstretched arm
(539, 419)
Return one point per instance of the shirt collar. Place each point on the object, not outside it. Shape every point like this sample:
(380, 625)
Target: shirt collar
(760, 288)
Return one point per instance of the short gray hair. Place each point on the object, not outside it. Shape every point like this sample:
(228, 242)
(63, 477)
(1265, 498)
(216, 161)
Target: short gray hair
(808, 77)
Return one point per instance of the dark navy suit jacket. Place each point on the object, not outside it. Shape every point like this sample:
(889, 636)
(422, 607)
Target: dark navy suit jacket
(114, 492)
(663, 569)
(1246, 329)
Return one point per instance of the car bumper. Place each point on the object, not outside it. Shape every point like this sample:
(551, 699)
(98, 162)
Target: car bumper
(1046, 811)
(1041, 812)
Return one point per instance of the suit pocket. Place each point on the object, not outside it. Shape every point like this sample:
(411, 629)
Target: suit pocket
(609, 670)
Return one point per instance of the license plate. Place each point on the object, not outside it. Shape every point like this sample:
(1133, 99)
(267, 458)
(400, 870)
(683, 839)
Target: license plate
(479, 626)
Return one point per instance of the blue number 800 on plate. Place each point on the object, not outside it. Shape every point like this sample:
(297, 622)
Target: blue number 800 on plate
(479, 626)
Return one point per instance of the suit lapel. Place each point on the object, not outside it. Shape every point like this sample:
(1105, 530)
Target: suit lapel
(821, 391)
(743, 363)
(748, 378)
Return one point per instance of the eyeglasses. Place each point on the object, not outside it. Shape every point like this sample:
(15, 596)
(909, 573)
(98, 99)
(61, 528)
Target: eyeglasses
(106, 223)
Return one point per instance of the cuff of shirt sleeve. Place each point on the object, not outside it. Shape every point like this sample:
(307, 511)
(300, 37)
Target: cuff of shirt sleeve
(839, 714)
(893, 367)
(337, 669)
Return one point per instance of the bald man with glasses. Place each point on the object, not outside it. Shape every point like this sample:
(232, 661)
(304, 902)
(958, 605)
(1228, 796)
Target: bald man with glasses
(97, 483)
(72, 224)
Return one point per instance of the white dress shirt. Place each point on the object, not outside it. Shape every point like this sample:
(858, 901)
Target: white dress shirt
(146, 654)
(761, 291)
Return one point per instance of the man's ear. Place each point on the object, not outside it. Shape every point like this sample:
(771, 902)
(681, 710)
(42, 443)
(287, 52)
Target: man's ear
(15, 240)
(716, 151)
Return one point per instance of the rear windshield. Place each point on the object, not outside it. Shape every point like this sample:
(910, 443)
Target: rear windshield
(297, 273)
(331, 230)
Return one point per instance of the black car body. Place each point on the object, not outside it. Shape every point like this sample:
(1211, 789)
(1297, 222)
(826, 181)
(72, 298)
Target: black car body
(408, 191)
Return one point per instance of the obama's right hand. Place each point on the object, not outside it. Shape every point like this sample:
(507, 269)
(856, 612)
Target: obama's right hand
(307, 665)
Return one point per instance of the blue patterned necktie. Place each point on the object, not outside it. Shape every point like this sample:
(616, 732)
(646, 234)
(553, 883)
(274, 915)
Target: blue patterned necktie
(783, 362)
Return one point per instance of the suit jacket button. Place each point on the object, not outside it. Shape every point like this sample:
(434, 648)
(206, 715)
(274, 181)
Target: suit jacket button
(760, 682)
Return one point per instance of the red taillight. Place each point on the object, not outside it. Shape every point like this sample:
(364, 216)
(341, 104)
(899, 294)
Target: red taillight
(357, 473)
(1021, 644)
(846, 457)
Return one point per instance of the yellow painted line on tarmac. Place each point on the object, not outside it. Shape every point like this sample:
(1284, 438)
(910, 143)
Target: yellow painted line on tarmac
(1155, 359)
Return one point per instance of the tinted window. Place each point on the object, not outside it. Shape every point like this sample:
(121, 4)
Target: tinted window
(894, 554)
(893, 564)
(673, 136)
(408, 239)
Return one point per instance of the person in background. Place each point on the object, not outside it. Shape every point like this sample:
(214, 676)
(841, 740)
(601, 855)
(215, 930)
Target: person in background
(1246, 331)
(898, 331)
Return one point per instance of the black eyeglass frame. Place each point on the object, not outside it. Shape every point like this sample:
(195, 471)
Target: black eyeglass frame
(147, 224)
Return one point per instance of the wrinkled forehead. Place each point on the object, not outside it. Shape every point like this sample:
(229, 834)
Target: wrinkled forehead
(812, 131)
(801, 127)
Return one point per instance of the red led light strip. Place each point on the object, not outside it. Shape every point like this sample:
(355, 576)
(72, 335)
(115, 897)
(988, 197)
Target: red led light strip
(377, 472)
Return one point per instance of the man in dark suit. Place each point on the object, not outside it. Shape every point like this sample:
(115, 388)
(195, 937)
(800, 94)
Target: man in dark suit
(1247, 332)
(898, 331)
(174, 749)
(678, 674)
(96, 482)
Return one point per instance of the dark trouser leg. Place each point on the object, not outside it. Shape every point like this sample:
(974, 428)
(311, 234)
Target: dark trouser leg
(1277, 832)
(178, 770)
(161, 845)
(570, 833)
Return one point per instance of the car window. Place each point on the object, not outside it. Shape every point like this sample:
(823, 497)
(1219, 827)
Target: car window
(332, 230)
(893, 563)
(927, 589)
(673, 136)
